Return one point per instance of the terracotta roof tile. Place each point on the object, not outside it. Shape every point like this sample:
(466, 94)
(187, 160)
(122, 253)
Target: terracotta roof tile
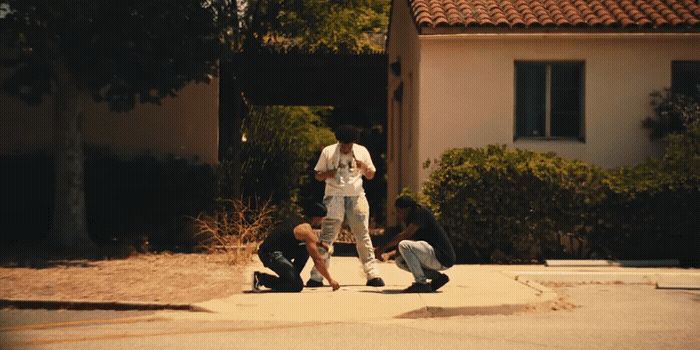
(676, 14)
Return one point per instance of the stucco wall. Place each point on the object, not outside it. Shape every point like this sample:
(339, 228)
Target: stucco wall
(186, 125)
(467, 91)
(402, 126)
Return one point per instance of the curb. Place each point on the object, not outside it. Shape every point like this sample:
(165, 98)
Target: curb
(96, 305)
(613, 263)
(677, 286)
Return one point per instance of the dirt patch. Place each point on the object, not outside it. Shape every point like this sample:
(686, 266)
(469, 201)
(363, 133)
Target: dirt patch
(503, 310)
(161, 278)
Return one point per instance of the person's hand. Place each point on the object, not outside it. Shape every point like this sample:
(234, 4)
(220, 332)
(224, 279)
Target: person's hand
(330, 173)
(361, 165)
(334, 284)
(378, 254)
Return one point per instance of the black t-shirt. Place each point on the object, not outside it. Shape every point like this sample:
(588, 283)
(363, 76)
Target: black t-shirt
(282, 239)
(430, 231)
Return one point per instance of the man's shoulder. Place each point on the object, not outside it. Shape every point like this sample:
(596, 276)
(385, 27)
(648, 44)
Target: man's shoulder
(361, 152)
(420, 213)
(358, 147)
(330, 148)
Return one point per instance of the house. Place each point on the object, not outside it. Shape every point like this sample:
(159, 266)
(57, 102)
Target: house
(185, 126)
(569, 76)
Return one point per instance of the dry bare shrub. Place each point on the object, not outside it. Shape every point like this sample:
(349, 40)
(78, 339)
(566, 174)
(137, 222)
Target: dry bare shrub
(234, 229)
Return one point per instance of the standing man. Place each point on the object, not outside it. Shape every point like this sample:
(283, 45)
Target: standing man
(286, 250)
(342, 166)
(423, 246)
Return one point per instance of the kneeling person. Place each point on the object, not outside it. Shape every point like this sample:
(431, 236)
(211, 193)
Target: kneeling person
(286, 250)
(423, 246)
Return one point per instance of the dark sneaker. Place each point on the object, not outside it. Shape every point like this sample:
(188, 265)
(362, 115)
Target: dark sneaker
(375, 282)
(256, 282)
(438, 282)
(418, 288)
(314, 283)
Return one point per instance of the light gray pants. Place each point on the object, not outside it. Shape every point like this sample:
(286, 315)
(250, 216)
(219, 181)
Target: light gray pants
(356, 210)
(418, 257)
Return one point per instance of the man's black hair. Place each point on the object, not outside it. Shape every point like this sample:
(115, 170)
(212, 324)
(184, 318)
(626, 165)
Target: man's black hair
(315, 210)
(404, 202)
(346, 134)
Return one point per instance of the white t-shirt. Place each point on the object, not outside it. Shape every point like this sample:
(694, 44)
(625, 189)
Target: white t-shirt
(348, 178)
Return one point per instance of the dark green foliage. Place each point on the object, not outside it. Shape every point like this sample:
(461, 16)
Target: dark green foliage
(672, 112)
(127, 199)
(279, 144)
(513, 201)
(316, 25)
(503, 204)
(119, 52)
(652, 208)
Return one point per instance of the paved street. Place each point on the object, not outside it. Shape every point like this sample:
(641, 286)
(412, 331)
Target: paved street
(606, 317)
(605, 314)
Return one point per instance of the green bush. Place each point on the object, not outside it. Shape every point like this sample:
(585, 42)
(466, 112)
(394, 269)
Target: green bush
(278, 144)
(128, 199)
(651, 209)
(672, 114)
(501, 203)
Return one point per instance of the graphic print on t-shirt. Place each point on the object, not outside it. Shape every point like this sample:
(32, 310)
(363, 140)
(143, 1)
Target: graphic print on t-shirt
(346, 168)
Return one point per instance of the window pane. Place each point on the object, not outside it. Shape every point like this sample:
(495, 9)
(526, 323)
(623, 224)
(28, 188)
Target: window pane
(685, 78)
(567, 95)
(530, 99)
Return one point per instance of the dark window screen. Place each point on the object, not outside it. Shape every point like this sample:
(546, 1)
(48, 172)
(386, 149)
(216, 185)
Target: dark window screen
(530, 99)
(566, 100)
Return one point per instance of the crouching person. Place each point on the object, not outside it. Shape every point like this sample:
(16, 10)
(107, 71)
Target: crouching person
(286, 250)
(423, 247)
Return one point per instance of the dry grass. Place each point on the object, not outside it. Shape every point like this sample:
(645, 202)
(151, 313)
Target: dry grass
(234, 229)
(164, 278)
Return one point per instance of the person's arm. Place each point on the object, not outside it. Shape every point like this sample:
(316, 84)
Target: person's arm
(305, 232)
(365, 163)
(365, 169)
(410, 230)
(321, 168)
(323, 175)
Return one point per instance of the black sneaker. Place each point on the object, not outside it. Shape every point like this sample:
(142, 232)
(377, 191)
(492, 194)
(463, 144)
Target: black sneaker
(314, 283)
(438, 282)
(255, 288)
(375, 282)
(418, 288)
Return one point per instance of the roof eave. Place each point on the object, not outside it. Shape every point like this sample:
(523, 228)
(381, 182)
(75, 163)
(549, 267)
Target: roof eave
(464, 30)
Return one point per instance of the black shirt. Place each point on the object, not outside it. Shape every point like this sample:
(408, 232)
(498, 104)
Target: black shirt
(282, 239)
(430, 231)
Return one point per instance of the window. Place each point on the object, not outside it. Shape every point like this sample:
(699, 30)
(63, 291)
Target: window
(685, 78)
(549, 100)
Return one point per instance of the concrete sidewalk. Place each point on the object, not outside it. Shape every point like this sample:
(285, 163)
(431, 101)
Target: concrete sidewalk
(688, 278)
(472, 290)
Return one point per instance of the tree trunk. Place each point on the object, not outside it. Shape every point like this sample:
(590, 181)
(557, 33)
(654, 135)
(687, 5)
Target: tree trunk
(69, 226)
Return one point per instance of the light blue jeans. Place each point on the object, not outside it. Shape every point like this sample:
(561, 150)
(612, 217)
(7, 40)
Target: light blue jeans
(356, 210)
(418, 257)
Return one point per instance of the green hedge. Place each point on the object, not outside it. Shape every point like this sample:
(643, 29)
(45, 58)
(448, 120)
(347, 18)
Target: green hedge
(127, 199)
(501, 204)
